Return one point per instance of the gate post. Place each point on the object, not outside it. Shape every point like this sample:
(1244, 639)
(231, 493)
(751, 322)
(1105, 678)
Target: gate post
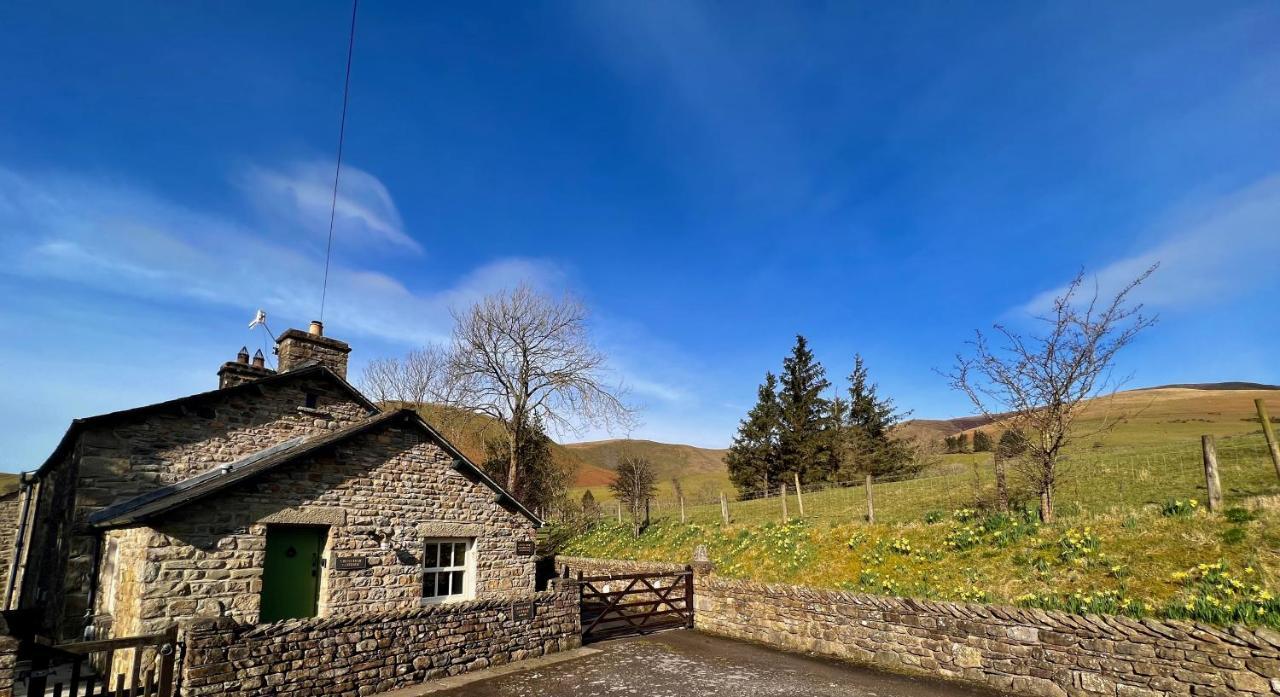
(688, 597)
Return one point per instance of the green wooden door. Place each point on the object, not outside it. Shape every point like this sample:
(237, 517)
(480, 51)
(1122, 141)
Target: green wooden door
(291, 576)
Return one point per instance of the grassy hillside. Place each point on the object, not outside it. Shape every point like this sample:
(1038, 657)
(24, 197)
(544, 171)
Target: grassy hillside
(8, 483)
(1181, 564)
(670, 459)
(1161, 416)
(468, 432)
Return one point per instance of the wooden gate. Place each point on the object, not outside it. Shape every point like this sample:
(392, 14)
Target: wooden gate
(628, 604)
(138, 666)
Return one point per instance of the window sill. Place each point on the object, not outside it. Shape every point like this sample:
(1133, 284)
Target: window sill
(444, 600)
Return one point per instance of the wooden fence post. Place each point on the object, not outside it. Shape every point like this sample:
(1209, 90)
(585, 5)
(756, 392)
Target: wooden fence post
(682, 510)
(782, 494)
(871, 506)
(799, 495)
(1269, 432)
(1211, 474)
(619, 512)
(1002, 490)
(724, 508)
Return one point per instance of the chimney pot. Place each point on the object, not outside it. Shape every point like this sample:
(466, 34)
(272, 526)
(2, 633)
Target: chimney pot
(258, 360)
(243, 356)
(316, 328)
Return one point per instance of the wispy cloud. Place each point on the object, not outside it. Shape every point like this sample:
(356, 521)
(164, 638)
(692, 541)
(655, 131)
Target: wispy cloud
(1207, 253)
(122, 239)
(303, 194)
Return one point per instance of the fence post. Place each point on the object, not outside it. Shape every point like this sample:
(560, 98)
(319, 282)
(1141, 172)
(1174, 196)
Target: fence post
(799, 495)
(1002, 491)
(782, 494)
(1211, 473)
(682, 510)
(724, 508)
(619, 512)
(871, 506)
(1269, 432)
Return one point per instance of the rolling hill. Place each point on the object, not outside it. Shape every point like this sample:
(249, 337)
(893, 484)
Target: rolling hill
(669, 459)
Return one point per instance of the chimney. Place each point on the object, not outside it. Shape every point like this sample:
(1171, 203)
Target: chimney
(296, 349)
(240, 371)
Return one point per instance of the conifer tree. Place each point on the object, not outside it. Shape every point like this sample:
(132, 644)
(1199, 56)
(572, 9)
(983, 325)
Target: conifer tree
(802, 446)
(962, 443)
(871, 446)
(981, 442)
(753, 456)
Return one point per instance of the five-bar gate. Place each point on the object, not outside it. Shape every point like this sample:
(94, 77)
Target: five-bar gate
(626, 604)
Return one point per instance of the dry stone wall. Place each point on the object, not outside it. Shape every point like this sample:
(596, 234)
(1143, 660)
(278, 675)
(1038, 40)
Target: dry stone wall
(1023, 652)
(364, 654)
(10, 505)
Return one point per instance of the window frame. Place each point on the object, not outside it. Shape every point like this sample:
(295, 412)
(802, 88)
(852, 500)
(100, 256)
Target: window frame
(468, 569)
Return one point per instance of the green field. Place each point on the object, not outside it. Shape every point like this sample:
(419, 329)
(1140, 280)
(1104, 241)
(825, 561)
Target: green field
(1132, 535)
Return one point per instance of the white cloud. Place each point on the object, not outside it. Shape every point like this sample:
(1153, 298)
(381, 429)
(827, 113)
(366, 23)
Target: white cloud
(120, 239)
(303, 194)
(1207, 254)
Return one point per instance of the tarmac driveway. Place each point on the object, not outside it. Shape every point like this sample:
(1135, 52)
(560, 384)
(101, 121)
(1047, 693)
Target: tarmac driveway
(679, 663)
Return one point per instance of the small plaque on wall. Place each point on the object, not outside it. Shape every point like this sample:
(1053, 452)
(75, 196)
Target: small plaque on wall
(351, 563)
(524, 547)
(523, 611)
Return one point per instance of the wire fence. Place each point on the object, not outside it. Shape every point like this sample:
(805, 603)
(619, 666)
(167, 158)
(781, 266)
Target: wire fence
(1090, 482)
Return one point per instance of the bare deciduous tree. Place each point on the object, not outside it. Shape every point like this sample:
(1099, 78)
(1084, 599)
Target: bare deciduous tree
(524, 358)
(635, 484)
(420, 377)
(1039, 382)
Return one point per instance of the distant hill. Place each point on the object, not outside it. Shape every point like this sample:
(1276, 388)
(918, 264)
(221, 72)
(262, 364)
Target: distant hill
(1213, 386)
(669, 460)
(468, 432)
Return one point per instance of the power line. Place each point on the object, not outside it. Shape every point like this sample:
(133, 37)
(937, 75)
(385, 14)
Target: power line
(337, 170)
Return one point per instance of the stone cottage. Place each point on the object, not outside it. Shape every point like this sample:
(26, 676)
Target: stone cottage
(282, 494)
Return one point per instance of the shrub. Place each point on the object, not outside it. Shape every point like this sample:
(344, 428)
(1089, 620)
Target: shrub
(1238, 515)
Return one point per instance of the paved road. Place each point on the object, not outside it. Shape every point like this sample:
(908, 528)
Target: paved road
(682, 663)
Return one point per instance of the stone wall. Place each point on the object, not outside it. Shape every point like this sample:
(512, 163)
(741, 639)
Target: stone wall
(364, 654)
(380, 494)
(1023, 652)
(10, 505)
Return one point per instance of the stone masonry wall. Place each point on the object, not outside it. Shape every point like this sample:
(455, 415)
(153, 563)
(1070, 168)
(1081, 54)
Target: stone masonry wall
(114, 462)
(391, 486)
(1023, 652)
(364, 654)
(10, 504)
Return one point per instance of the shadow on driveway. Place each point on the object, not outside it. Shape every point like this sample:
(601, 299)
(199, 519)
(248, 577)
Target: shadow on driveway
(678, 663)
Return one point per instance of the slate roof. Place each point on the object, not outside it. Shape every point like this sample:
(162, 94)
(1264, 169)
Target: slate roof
(311, 370)
(179, 494)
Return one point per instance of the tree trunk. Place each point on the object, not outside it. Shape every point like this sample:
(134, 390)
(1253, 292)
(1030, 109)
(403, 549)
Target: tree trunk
(1046, 505)
(513, 451)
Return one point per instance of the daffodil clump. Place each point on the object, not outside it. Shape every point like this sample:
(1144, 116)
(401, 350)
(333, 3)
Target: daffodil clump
(1079, 544)
(1179, 508)
(1213, 593)
(1108, 602)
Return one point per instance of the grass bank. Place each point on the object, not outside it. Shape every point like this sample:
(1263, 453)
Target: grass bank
(1173, 560)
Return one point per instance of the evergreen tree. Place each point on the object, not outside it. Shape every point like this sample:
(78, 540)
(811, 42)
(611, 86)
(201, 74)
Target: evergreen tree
(1012, 444)
(950, 443)
(871, 446)
(981, 442)
(753, 457)
(590, 509)
(962, 443)
(836, 431)
(802, 445)
(543, 481)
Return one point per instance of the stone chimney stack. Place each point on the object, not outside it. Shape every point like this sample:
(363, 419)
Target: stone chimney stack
(240, 371)
(296, 348)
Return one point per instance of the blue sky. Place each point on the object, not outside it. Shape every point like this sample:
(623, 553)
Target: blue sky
(711, 178)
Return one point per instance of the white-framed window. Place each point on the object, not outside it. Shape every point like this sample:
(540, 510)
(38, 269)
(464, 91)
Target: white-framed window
(448, 569)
